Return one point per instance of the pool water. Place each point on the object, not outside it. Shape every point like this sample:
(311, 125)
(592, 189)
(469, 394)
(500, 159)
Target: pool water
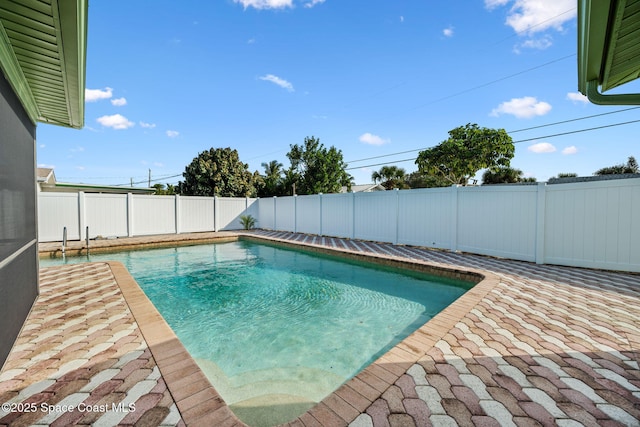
(277, 330)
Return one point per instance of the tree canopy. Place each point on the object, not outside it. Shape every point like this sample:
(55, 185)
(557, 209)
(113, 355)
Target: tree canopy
(219, 172)
(390, 177)
(316, 169)
(468, 149)
(273, 182)
(630, 167)
(504, 175)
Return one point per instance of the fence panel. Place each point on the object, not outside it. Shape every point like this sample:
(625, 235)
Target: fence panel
(594, 224)
(425, 217)
(376, 216)
(196, 214)
(229, 210)
(56, 211)
(266, 214)
(285, 213)
(498, 220)
(337, 215)
(308, 214)
(153, 215)
(106, 214)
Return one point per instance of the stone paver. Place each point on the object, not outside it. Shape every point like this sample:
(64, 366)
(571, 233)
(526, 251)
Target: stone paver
(529, 345)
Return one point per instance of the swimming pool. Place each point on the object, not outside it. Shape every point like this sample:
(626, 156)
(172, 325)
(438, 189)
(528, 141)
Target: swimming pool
(277, 330)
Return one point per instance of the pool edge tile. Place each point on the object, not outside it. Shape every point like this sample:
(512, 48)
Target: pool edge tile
(165, 346)
(358, 391)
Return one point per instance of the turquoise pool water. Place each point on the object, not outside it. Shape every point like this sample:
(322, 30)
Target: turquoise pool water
(277, 330)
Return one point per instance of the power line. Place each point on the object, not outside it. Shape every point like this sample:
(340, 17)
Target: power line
(515, 142)
(510, 132)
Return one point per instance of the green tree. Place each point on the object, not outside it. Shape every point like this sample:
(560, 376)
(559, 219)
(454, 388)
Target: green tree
(219, 172)
(419, 180)
(630, 167)
(317, 169)
(468, 149)
(504, 175)
(272, 179)
(390, 177)
(161, 190)
(567, 175)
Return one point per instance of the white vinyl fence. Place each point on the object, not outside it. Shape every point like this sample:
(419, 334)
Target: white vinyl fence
(126, 215)
(592, 224)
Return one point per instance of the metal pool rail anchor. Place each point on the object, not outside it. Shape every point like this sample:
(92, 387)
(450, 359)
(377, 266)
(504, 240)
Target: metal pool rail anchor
(87, 239)
(64, 239)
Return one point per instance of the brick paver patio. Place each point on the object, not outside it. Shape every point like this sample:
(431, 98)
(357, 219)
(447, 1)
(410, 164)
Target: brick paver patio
(529, 345)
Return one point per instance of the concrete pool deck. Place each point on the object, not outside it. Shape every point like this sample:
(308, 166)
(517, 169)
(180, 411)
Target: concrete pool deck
(529, 345)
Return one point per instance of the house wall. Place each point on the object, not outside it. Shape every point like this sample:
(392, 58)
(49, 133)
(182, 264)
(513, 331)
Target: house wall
(18, 244)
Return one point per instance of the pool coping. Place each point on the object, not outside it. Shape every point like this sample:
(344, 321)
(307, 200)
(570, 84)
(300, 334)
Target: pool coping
(199, 402)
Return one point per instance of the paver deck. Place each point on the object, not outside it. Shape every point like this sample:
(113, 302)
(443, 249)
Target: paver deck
(529, 345)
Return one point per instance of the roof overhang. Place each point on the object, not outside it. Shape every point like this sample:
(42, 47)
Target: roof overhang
(43, 46)
(608, 49)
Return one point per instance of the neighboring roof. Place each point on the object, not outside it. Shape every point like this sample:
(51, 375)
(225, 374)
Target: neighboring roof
(46, 175)
(43, 45)
(364, 188)
(48, 183)
(608, 49)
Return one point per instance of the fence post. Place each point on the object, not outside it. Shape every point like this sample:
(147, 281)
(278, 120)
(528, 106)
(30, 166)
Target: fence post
(178, 216)
(540, 220)
(129, 215)
(353, 215)
(216, 213)
(275, 212)
(82, 215)
(454, 218)
(295, 213)
(397, 192)
(320, 203)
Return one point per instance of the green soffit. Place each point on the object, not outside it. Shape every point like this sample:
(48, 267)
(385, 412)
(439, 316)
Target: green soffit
(43, 48)
(608, 49)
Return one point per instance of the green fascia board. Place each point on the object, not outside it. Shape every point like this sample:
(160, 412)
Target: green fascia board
(71, 32)
(596, 22)
(70, 23)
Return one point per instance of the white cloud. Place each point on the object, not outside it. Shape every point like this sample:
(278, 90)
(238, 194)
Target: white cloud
(370, 139)
(44, 165)
(313, 3)
(577, 97)
(448, 32)
(532, 16)
(147, 125)
(119, 102)
(570, 150)
(541, 43)
(80, 168)
(278, 81)
(265, 4)
(401, 18)
(525, 107)
(93, 95)
(77, 149)
(492, 4)
(42, 145)
(542, 147)
(172, 133)
(115, 121)
(158, 164)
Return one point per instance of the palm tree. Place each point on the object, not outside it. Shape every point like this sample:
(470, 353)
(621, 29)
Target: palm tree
(630, 167)
(504, 175)
(272, 178)
(390, 177)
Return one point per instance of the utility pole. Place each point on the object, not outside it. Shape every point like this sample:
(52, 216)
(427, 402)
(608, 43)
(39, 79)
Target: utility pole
(131, 181)
(149, 186)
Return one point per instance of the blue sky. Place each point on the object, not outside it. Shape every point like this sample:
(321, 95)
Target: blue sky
(167, 80)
